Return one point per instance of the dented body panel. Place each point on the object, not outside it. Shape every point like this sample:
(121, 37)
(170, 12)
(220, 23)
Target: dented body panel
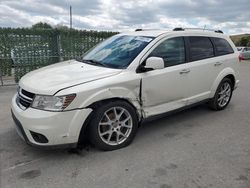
(124, 86)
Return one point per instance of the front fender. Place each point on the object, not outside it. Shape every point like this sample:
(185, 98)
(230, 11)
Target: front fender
(125, 86)
(114, 92)
(225, 72)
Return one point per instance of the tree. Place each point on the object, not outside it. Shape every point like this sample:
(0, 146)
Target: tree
(243, 41)
(248, 43)
(62, 27)
(42, 25)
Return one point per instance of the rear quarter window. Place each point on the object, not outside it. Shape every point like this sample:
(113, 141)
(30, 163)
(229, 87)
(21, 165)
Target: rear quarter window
(222, 47)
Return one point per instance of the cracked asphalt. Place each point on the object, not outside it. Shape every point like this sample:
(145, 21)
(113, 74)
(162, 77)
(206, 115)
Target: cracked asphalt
(195, 148)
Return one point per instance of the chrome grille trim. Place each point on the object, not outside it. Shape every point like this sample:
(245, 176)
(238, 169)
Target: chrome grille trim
(24, 97)
(24, 101)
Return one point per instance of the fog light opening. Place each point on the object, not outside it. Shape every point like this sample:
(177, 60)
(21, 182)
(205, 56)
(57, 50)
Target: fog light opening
(39, 137)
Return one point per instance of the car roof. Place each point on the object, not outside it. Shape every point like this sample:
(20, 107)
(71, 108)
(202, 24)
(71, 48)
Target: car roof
(148, 33)
(156, 33)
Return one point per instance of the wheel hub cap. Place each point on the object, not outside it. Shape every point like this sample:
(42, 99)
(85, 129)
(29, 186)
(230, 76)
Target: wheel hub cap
(115, 126)
(224, 94)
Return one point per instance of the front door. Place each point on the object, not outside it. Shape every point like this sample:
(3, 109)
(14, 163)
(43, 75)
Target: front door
(166, 89)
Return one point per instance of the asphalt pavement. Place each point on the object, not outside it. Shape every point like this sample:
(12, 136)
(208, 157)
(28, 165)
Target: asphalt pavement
(195, 148)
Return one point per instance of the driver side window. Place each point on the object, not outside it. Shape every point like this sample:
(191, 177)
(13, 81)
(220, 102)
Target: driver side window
(171, 50)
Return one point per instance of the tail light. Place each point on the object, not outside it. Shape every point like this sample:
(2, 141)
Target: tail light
(240, 57)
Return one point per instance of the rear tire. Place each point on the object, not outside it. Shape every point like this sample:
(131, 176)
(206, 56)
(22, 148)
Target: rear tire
(113, 126)
(222, 95)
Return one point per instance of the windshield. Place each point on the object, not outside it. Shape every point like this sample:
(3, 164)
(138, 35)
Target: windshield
(117, 51)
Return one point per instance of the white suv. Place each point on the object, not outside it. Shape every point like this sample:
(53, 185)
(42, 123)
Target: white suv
(122, 81)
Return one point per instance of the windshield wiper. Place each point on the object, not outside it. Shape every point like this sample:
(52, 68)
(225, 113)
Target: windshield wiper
(92, 61)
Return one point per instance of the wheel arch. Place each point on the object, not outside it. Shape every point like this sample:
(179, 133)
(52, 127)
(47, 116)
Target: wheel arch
(96, 104)
(226, 73)
(232, 78)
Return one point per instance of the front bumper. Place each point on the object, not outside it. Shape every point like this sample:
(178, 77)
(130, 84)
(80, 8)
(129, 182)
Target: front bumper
(59, 128)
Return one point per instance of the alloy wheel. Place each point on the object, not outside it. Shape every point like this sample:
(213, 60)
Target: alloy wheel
(224, 94)
(115, 126)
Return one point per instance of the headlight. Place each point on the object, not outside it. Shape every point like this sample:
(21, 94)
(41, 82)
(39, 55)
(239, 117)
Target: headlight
(52, 103)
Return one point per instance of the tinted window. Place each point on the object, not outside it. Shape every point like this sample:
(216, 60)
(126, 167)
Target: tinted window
(222, 46)
(171, 50)
(200, 48)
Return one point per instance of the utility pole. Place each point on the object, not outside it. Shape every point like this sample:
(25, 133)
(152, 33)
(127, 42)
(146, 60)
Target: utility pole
(204, 27)
(70, 15)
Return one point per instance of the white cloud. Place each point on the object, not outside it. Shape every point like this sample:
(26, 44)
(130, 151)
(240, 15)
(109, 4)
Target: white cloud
(230, 16)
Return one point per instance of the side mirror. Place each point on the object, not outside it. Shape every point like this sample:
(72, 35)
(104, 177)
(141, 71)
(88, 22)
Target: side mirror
(154, 63)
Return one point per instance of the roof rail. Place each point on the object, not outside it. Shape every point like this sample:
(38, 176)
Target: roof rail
(203, 29)
(178, 29)
(218, 31)
(140, 29)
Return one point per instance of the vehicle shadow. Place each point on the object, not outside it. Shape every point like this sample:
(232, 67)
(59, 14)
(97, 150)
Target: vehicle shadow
(19, 153)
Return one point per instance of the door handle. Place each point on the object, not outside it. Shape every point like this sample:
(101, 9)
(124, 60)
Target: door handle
(217, 64)
(184, 71)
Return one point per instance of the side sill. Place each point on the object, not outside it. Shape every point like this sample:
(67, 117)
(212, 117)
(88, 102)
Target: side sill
(165, 114)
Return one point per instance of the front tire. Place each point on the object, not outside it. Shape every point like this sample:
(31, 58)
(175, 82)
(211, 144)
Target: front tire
(222, 95)
(113, 126)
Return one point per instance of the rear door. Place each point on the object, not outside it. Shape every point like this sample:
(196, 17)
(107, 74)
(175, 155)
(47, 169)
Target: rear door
(207, 58)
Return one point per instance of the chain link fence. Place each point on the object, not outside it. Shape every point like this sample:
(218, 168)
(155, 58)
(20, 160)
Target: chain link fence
(23, 50)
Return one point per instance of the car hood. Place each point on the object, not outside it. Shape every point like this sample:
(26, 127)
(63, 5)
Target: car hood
(48, 80)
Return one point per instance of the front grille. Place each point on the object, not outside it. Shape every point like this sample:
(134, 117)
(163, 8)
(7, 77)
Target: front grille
(28, 94)
(24, 98)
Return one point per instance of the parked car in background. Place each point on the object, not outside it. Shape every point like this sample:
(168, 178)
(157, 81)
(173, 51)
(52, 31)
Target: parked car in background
(122, 81)
(244, 52)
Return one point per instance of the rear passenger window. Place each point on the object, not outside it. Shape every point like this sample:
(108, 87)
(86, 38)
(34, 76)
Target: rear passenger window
(200, 48)
(171, 50)
(222, 47)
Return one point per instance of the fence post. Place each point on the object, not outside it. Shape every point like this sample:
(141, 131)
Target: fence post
(1, 76)
(59, 47)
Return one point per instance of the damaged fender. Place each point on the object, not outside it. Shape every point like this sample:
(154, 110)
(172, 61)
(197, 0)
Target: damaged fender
(115, 92)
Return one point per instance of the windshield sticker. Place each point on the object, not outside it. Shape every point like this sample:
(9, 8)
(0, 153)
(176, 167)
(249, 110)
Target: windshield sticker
(143, 39)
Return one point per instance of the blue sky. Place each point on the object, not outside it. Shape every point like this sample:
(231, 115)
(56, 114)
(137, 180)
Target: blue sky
(231, 16)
